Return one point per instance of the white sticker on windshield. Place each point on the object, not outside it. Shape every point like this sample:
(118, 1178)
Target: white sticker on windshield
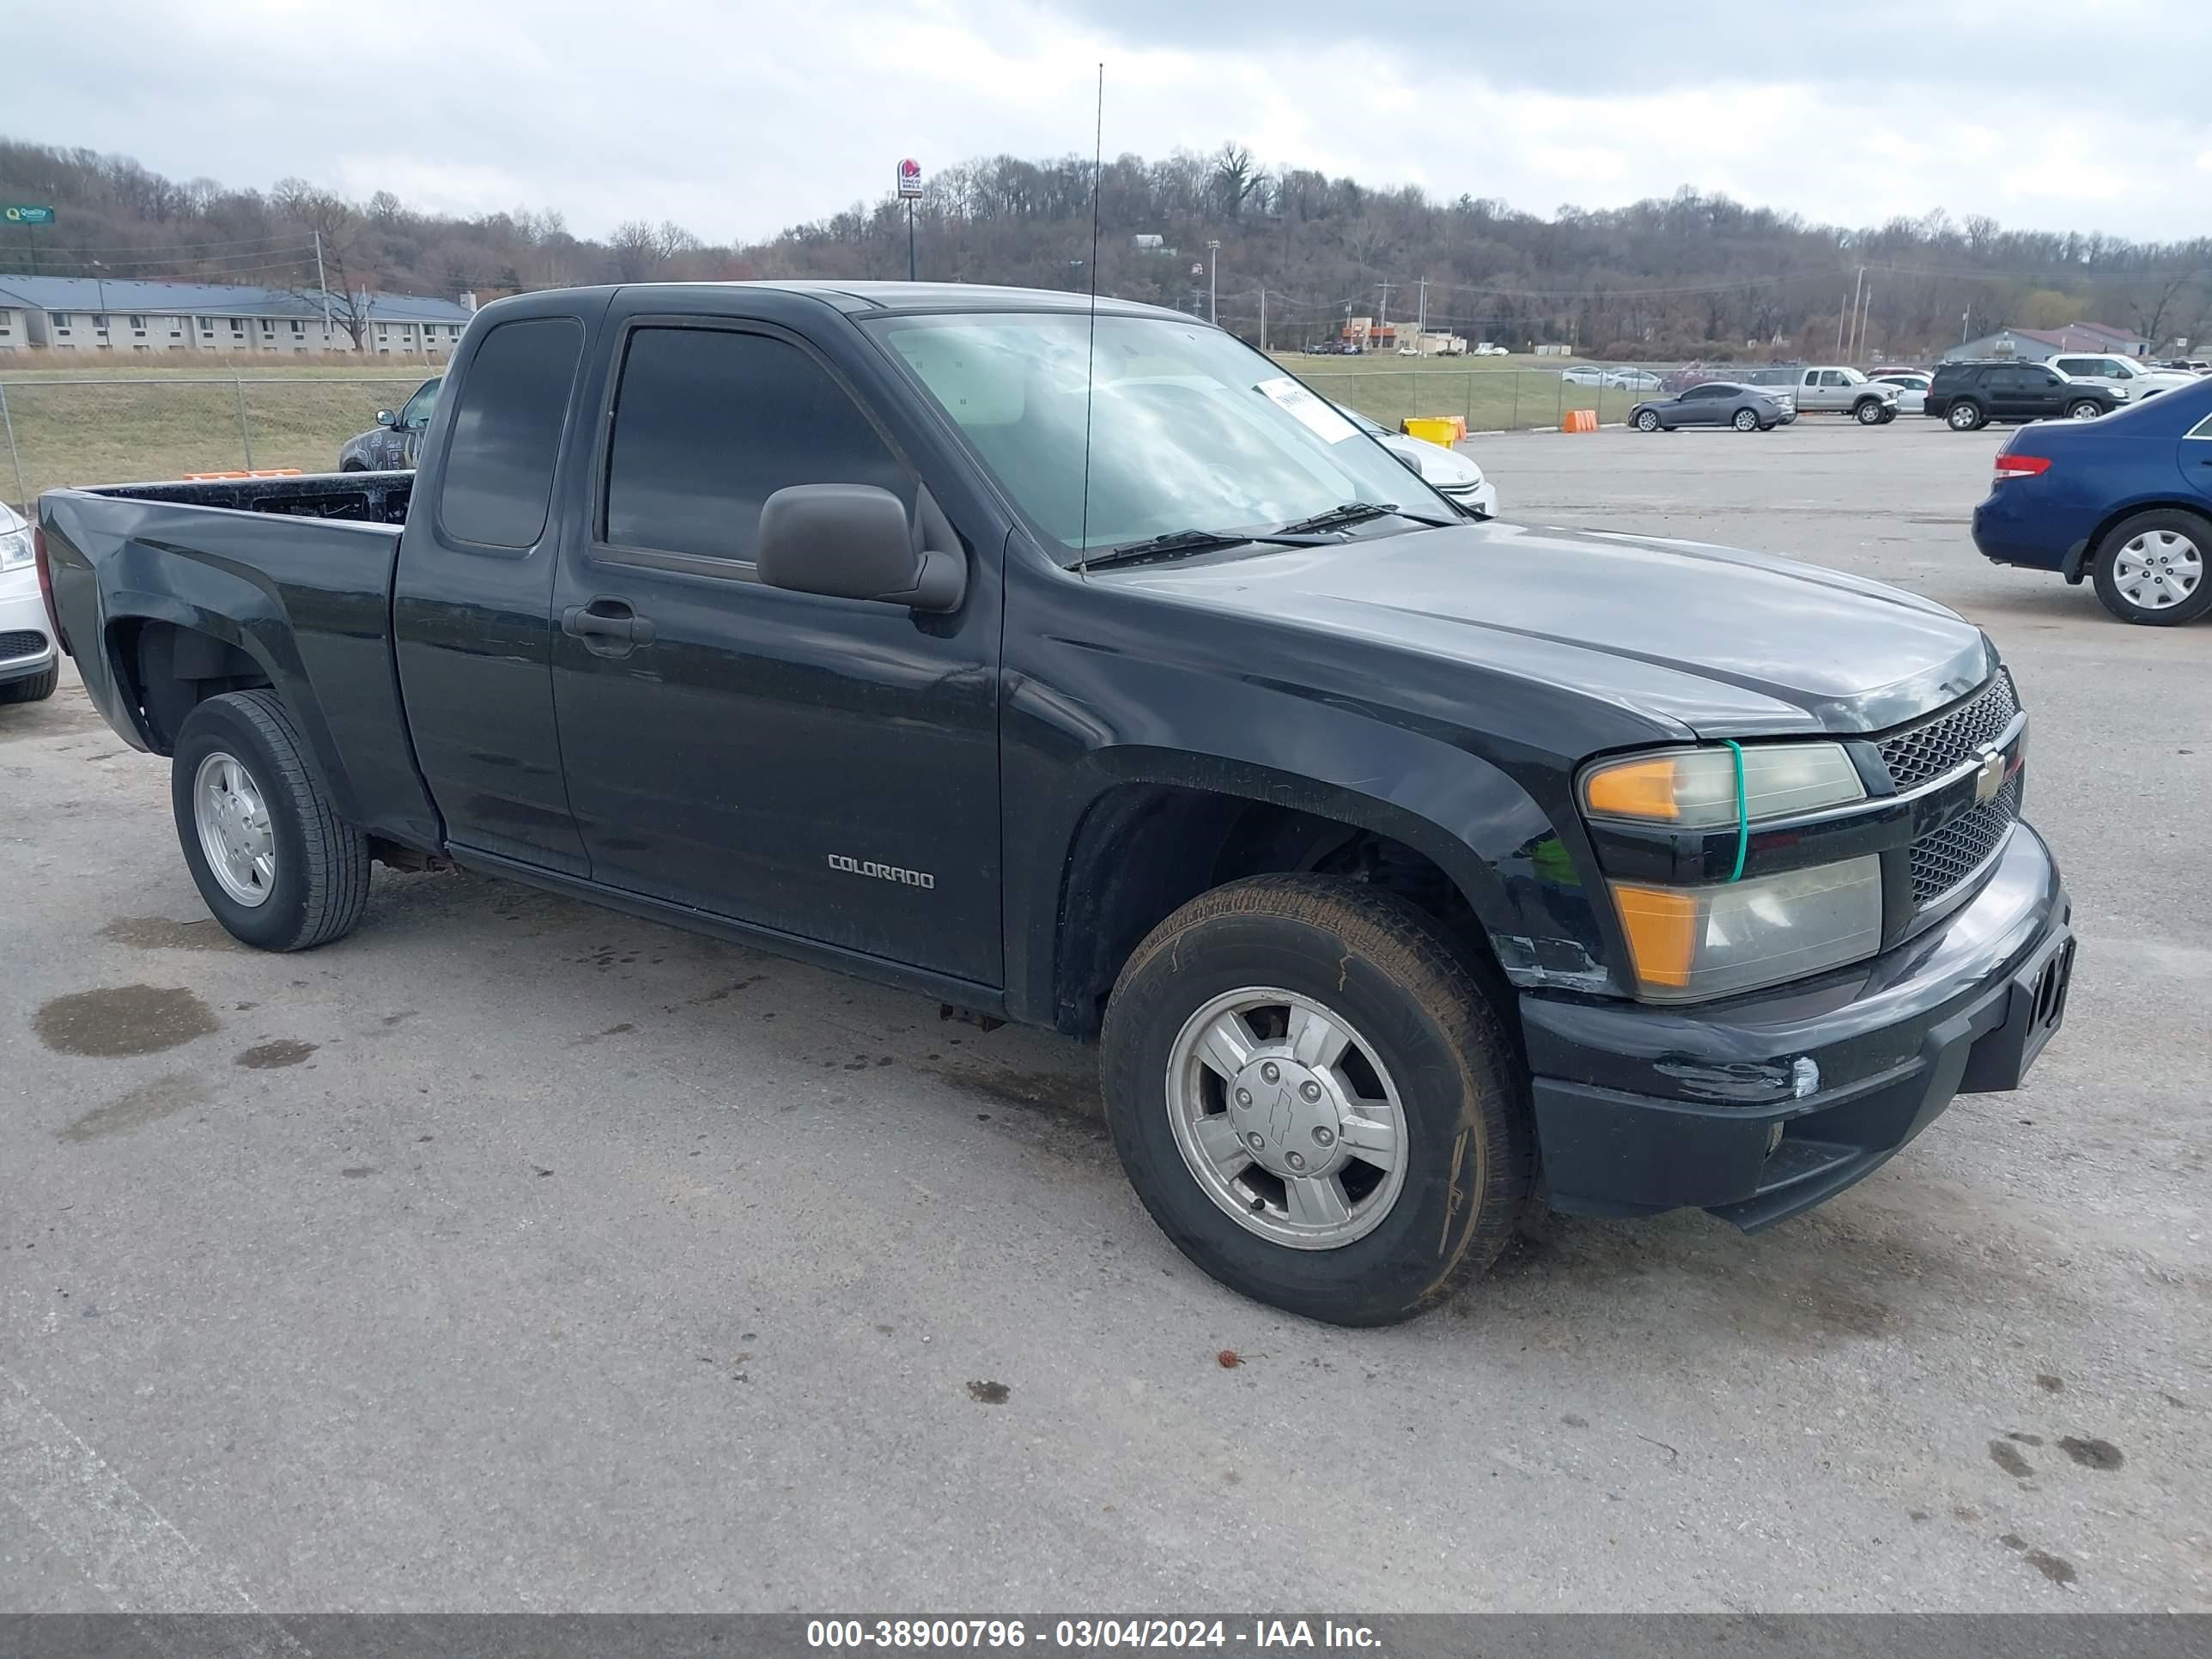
(1317, 415)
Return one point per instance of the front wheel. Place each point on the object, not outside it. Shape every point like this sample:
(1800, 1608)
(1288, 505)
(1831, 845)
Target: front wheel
(37, 688)
(1744, 421)
(2086, 409)
(276, 867)
(2150, 569)
(1868, 412)
(1647, 422)
(1317, 1099)
(1964, 416)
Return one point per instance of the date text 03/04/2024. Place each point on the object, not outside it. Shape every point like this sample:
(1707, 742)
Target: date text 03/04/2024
(987, 1635)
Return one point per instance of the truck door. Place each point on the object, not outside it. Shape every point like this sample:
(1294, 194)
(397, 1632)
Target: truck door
(469, 598)
(826, 768)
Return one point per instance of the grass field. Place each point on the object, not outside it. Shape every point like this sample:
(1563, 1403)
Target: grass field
(1494, 394)
(114, 423)
(129, 423)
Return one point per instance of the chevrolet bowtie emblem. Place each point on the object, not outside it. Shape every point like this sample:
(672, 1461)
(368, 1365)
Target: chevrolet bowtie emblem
(1990, 778)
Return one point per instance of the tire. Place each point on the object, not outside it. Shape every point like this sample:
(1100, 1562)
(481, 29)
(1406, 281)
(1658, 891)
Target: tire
(1888, 413)
(2086, 409)
(1422, 1029)
(315, 885)
(37, 689)
(1966, 415)
(2155, 568)
(1744, 421)
(353, 466)
(1647, 422)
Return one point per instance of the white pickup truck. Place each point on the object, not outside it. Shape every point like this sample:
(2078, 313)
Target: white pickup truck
(2130, 379)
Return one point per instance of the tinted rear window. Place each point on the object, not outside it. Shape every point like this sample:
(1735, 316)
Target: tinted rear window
(507, 432)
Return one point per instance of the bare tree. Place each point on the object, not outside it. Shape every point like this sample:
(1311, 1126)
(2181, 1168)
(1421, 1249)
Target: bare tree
(338, 229)
(1235, 177)
(2149, 309)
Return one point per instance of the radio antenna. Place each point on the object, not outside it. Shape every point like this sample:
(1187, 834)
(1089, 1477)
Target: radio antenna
(1091, 352)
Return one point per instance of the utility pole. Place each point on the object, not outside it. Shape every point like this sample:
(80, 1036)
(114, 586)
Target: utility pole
(1866, 308)
(1421, 316)
(1852, 312)
(1263, 319)
(322, 286)
(1384, 320)
(1213, 282)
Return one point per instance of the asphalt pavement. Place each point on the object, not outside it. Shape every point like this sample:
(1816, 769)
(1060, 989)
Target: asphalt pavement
(513, 1254)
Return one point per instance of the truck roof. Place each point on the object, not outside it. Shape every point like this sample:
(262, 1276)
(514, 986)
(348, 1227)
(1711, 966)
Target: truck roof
(885, 297)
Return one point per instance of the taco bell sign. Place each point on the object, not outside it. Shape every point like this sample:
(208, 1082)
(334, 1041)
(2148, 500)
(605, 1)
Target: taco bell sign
(909, 179)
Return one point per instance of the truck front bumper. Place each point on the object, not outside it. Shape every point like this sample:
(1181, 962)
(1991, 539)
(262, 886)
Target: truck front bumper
(1759, 1106)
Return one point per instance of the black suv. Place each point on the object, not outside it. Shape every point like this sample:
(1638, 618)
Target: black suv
(1968, 396)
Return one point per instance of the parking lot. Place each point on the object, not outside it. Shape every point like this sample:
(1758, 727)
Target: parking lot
(512, 1254)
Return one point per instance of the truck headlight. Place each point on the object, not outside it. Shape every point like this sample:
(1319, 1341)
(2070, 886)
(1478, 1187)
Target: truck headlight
(1695, 788)
(14, 547)
(1687, 943)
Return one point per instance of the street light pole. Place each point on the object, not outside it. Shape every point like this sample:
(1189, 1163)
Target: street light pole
(1214, 283)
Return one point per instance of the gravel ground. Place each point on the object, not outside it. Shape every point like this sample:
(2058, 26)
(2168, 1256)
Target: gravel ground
(512, 1255)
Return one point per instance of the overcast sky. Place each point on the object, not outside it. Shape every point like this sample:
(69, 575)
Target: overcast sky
(739, 118)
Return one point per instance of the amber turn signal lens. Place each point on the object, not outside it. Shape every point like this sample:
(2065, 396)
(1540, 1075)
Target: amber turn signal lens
(1642, 789)
(1662, 927)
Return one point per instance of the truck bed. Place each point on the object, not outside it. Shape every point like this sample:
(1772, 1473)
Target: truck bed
(229, 583)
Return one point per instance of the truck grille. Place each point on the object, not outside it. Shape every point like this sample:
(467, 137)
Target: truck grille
(1936, 747)
(1944, 858)
(22, 642)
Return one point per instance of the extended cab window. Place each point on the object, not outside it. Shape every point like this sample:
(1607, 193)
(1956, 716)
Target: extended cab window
(507, 432)
(710, 423)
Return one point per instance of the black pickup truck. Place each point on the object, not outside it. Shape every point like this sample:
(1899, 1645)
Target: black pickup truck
(1093, 673)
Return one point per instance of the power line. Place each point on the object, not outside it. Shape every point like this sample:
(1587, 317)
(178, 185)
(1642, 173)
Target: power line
(235, 241)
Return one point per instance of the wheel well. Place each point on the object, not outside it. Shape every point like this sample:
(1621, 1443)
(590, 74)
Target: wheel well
(1145, 851)
(169, 669)
(2119, 516)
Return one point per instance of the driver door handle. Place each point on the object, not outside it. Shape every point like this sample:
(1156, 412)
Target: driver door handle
(611, 620)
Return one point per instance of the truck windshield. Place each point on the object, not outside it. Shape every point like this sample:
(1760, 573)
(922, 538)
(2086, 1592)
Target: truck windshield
(1190, 429)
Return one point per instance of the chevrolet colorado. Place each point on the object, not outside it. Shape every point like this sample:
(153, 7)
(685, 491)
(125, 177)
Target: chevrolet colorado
(1088, 670)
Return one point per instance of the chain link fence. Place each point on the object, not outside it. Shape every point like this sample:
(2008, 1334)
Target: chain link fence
(61, 430)
(1490, 399)
(66, 430)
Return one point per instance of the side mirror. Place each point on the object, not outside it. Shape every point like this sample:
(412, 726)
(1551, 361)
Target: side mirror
(853, 542)
(384, 417)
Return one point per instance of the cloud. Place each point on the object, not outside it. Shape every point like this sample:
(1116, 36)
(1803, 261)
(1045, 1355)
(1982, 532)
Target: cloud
(738, 120)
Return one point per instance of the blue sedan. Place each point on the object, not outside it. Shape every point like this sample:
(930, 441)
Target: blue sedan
(2125, 500)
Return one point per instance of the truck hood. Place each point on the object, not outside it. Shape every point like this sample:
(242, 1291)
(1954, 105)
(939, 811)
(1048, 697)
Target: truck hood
(1721, 642)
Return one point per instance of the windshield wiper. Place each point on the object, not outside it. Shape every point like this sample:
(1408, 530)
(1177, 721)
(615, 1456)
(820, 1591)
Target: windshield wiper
(1335, 518)
(1176, 541)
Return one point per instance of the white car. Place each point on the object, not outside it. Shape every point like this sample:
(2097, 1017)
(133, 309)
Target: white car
(29, 665)
(1912, 389)
(1450, 474)
(1620, 380)
(2127, 377)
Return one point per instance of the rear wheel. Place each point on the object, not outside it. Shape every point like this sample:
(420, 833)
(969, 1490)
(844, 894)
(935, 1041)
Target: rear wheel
(275, 863)
(37, 689)
(1966, 415)
(1315, 1098)
(1744, 421)
(2151, 568)
(2086, 409)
